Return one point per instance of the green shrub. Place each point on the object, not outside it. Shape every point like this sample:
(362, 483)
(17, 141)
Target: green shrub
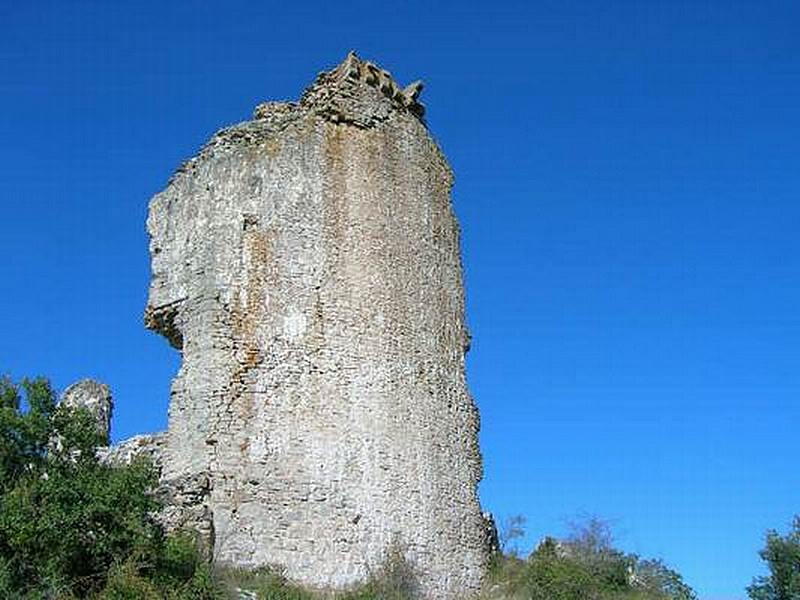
(266, 583)
(586, 566)
(662, 582)
(125, 582)
(175, 571)
(65, 518)
(395, 580)
(73, 526)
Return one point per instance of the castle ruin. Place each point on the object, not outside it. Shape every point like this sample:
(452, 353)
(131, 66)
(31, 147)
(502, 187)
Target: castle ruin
(306, 264)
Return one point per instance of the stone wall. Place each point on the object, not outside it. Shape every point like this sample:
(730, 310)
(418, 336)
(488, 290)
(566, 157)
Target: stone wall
(306, 264)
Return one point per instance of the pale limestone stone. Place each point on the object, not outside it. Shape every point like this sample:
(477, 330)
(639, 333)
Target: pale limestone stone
(307, 265)
(184, 497)
(96, 398)
(124, 453)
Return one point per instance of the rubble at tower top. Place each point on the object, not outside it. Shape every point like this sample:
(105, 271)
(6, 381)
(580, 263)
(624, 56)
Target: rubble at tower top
(357, 92)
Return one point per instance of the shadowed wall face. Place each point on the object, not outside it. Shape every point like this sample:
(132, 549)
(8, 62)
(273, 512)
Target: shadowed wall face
(307, 265)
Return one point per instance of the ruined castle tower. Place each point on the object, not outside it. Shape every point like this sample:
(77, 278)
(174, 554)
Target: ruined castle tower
(306, 264)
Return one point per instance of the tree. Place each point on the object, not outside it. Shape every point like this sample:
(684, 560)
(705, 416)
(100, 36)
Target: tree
(592, 543)
(655, 577)
(591, 536)
(782, 555)
(512, 530)
(67, 520)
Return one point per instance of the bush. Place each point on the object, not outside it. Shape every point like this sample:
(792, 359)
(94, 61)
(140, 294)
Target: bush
(585, 566)
(125, 582)
(655, 576)
(266, 584)
(71, 525)
(395, 580)
(65, 518)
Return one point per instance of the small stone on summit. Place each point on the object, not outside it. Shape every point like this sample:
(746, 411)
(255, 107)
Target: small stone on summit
(96, 398)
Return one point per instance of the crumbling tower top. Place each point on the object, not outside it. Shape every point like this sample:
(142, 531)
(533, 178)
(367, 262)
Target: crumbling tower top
(358, 92)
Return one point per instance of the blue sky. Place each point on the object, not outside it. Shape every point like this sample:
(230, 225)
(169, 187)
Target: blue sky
(626, 179)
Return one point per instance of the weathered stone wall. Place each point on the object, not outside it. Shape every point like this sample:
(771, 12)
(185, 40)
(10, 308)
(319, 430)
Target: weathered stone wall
(307, 265)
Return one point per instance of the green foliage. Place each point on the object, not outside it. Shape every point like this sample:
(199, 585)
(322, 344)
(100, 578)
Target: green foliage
(586, 566)
(654, 575)
(395, 580)
(591, 545)
(782, 555)
(266, 584)
(176, 571)
(191, 579)
(549, 576)
(125, 582)
(71, 526)
(24, 436)
(64, 517)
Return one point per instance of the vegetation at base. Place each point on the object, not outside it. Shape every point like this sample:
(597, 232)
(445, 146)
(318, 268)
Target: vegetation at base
(395, 581)
(73, 527)
(782, 555)
(586, 566)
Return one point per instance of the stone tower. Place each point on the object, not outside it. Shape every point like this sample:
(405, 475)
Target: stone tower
(306, 263)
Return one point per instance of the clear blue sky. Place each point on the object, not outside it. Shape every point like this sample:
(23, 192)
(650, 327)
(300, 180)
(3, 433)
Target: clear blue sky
(627, 182)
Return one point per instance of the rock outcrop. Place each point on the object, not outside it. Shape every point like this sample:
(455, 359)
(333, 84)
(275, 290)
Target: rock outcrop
(306, 264)
(96, 398)
(184, 497)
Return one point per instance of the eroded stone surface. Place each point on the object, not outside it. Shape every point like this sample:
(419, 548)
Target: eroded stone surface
(307, 265)
(186, 508)
(124, 453)
(94, 397)
(185, 498)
